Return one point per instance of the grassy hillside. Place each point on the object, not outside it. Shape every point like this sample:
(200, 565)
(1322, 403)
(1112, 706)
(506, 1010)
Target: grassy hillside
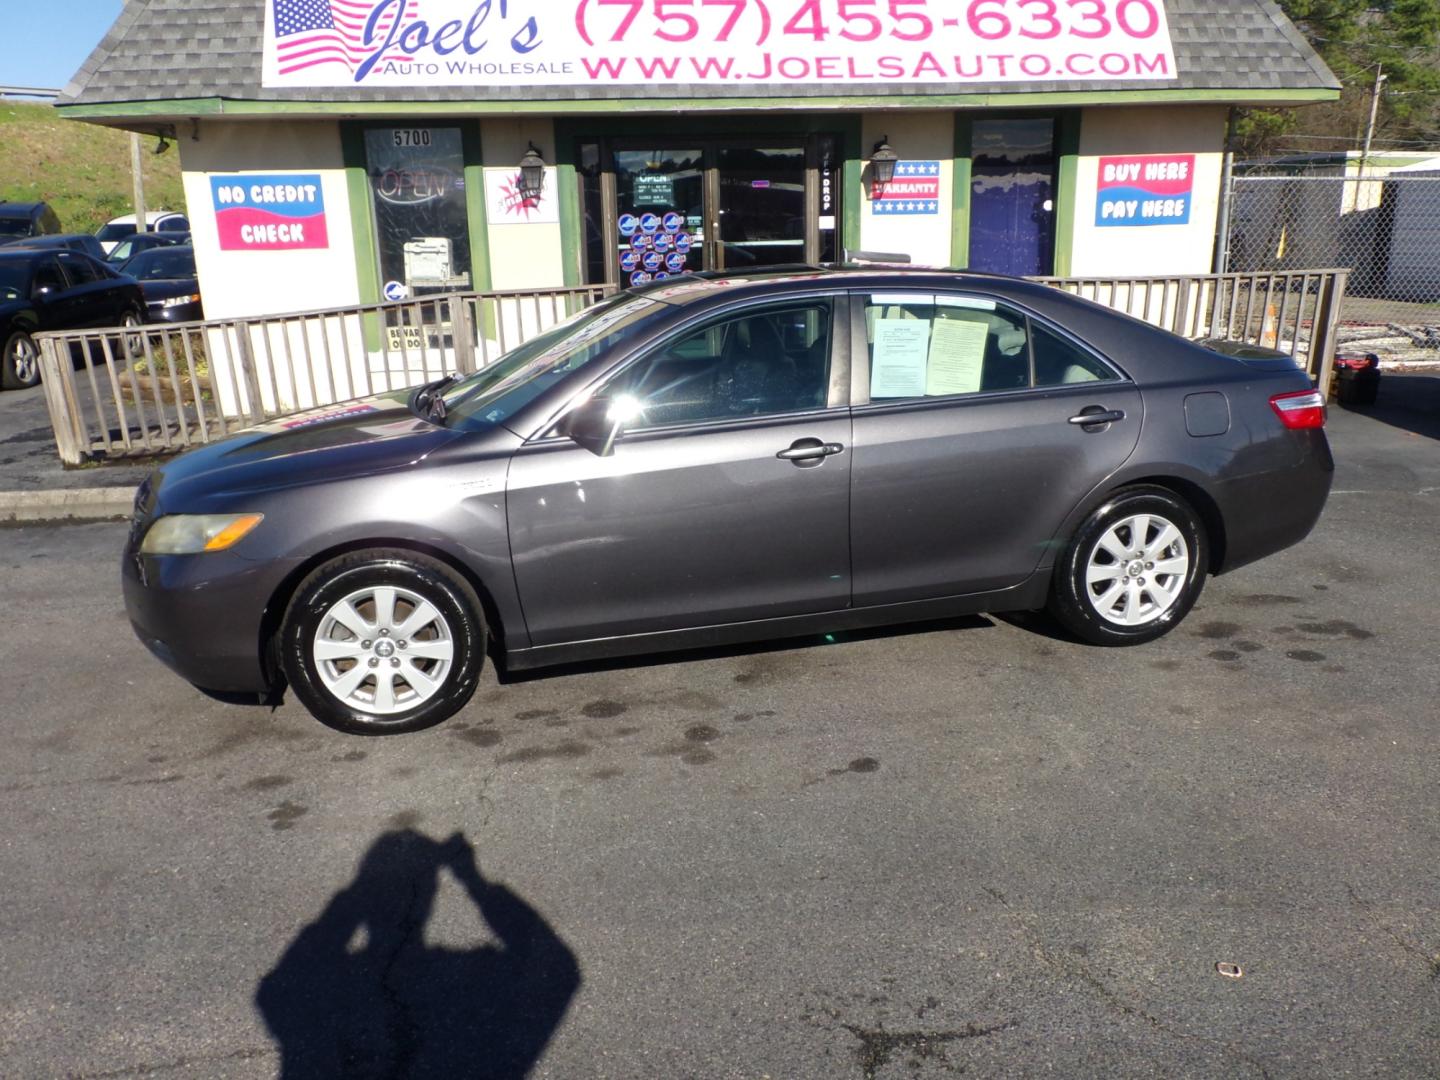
(82, 170)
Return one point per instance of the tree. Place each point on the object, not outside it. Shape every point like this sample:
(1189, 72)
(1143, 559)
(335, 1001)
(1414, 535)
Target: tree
(1358, 39)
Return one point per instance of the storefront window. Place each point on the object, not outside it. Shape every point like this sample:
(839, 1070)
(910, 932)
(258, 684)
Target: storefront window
(417, 175)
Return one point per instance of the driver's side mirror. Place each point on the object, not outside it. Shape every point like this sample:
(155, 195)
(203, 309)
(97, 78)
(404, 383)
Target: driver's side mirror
(598, 423)
(41, 292)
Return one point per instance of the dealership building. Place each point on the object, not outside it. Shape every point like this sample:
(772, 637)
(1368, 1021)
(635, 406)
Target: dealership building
(342, 152)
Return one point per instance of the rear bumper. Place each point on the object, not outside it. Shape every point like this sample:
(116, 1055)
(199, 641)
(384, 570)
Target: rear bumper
(1275, 508)
(202, 615)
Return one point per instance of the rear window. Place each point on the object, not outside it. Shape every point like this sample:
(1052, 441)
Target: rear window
(115, 231)
(14, 226)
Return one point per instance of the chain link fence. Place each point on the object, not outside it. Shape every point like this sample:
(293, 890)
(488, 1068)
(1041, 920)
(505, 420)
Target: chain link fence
(1384, 226)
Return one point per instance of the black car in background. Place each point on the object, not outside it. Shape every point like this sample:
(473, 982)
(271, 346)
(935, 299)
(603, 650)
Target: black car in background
(135, 243)
(56, 290)
(722, 458)
(167, 278)
(21, 219)
(68, 241)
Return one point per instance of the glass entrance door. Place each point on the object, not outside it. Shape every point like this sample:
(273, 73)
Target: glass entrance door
(660, 202)
(761, 220)
(712, 204)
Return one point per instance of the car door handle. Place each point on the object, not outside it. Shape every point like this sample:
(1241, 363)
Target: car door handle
(1100, 416)
(809, 450)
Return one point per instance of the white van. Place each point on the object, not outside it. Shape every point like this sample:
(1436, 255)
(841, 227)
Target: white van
(116, 229)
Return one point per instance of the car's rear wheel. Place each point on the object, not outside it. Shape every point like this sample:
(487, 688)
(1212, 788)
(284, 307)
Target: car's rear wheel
(20, 363)
(1133, 570)
(382, 642)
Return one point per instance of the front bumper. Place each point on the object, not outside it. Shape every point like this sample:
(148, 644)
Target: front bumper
(203, 616)
(177, 313)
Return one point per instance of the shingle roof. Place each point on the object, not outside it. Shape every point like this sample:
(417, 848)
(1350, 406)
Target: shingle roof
(162, 50)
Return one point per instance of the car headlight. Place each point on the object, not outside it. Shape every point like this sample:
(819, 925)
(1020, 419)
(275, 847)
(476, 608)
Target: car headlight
(176, 301)
(189, 534)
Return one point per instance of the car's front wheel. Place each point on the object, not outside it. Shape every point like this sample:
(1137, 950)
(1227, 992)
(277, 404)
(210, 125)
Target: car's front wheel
(133, 339)
(1133, 570)
(20, 362)
(383, 641)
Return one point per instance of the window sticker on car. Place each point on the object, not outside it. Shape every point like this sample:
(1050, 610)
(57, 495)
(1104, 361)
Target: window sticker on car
(975, 303)
(957, 351)
(901, 348)
(901, 298)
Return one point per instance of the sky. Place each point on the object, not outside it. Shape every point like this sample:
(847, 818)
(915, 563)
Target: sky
(54, 38)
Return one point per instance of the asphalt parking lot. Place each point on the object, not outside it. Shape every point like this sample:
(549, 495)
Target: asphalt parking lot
(970, 849)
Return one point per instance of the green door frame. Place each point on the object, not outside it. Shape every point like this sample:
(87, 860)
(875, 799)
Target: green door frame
(1067, 169)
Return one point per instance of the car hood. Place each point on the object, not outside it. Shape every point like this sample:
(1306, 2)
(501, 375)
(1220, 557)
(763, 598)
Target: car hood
(352, 439)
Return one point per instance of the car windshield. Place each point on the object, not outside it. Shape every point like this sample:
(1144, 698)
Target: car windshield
(14, 280)
(499, 391)
(14, 226)
(160, 264)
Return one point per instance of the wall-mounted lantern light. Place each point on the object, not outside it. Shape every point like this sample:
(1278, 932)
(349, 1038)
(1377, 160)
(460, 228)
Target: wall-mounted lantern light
(532, 174)
(882, 162)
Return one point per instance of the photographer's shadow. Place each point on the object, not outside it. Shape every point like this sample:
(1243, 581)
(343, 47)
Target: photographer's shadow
(358, 993)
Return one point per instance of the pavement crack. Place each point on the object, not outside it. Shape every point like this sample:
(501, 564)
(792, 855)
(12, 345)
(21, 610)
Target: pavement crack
(1430, 959)
(1073, 967)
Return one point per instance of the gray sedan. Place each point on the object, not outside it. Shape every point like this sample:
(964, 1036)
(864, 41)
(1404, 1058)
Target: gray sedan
(710, 460)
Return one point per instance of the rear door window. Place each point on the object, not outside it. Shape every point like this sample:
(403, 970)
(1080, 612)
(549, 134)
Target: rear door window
(78, 268)
(923, 345)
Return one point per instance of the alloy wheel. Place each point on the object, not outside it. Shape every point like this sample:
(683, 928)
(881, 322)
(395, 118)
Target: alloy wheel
(1137, 570)
(383, 650)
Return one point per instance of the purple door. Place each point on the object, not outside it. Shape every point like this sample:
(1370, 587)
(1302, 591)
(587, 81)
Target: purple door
(1012, 196)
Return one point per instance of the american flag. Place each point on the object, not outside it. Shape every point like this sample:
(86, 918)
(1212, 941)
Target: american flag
(311, 32)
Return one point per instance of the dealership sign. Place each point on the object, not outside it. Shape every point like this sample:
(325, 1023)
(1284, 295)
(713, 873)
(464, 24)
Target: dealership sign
(1153, 189)
(269, 213)
(851, 43)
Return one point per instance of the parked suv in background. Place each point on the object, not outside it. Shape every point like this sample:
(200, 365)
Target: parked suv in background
(22, 219)
(162, 221)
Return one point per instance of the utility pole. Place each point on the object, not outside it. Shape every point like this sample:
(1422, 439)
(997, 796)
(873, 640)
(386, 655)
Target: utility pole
(1374, 112)
(138, 178)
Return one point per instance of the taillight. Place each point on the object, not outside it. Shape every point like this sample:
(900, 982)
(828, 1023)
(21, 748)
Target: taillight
(1302, 409)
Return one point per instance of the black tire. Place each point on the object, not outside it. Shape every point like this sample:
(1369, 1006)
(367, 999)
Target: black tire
(20, 362)
(1091, 609)
(311, 620)
(132, 338)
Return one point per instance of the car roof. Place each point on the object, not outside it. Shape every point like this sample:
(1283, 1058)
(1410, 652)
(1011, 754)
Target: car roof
(19, 209)
(778, 280)
(151, 216)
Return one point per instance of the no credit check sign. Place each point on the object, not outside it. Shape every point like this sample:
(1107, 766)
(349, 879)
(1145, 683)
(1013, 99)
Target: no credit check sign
(269, 213)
